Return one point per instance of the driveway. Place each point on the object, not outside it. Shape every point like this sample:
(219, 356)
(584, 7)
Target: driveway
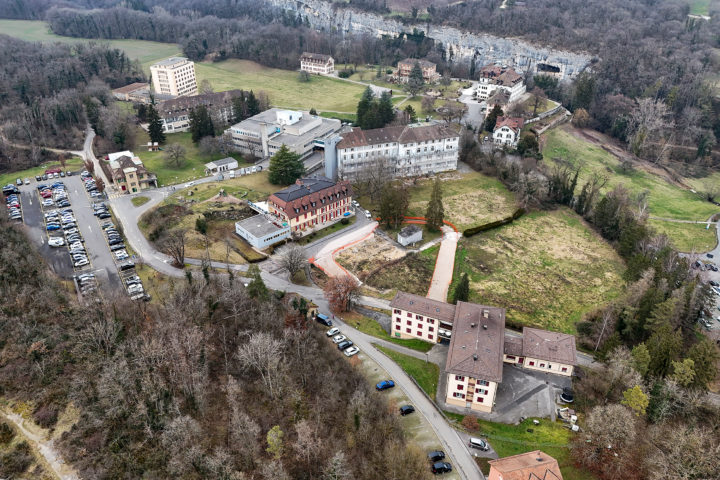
(324, 259)
(444, 266)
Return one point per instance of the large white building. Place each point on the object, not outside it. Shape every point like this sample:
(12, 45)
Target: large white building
(265, 133)
(317, 63)
(175, 113)
(402, 151)
(494, 78)
(174, 76)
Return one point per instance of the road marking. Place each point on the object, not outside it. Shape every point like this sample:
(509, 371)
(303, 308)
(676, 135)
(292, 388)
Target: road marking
(89, 228)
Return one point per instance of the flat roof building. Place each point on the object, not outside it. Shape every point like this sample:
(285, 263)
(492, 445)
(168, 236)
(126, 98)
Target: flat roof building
(222, 165)
(174, 76)
(261, 231)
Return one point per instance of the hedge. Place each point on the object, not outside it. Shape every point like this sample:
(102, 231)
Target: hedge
(498, 223)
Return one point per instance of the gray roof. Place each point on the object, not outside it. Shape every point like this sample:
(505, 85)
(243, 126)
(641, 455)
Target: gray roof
(222, 161)
(259, 226)
(409, 231)
(427, 307)
(170, 61)
(304, 187)
(552, 346)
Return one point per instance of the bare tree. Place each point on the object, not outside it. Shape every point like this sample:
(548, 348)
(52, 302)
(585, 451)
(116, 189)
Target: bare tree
(175, 154)
(452, 110)
(274, 470)
(293, 259)
(342, 293)
(100, 185)
(537, 98)
(263, 354)
(337, 468)
(182, 440)
(206, 86)
(427, 104)
(648, 121)
(174, 245)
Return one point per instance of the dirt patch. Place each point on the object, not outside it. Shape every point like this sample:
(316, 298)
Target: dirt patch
(224, 199)
(367, 256)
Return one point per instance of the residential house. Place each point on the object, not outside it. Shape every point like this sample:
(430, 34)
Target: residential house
(317, 63)
(175, 113)
(507, 131)
(494, 77)
(311, 204)
(414, 316)
(128, 172)
(542, 350)
(535, 465)
(429, 70)
(401, 151)
(174, 76)
(265, 133)
(222, 165)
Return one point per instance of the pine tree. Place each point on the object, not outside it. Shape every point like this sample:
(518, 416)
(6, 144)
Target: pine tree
(435, 213)
(394, 203)
(491, 119)
(201, 124)
(385, 108)
(364, 106)
(240, 109)
(415, 80)
(253, 106)
(462, 290)
(285, 167)
(409, 114)
(256, 287)
(155, 128)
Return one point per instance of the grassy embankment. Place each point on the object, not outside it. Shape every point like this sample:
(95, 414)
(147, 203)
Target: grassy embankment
(426, 374)
(371, 327)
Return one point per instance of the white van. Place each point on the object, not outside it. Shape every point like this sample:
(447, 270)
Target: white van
(254, 169)
(479, 444)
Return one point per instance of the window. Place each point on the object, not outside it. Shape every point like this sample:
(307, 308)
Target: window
(419, 317)
(511, 357)
(419, 333)
(408, 330)
(542, 365)
(397, 319)
(479, 399)
(420, 325)
(409, 314)
(430, 337)
(531, 363)
(549, 366)
(458, 395)
(431, 321)
(397, 327)
(459, 378)
(460, 387)
(484, 383)
(409, 322)
(431, 329)
(563, 369)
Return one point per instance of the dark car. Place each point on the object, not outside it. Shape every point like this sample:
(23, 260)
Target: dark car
(384, 385)
(406, 410)
(436, 455)
(714, 283)
(441, 467)
(713, 267)
(38, 178)
(567, 395)
(709, 255)
(345, 344)
(322, 318)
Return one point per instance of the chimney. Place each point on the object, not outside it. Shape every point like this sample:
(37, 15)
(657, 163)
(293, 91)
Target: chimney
(484, 327)
(475, 356)
(472, 325)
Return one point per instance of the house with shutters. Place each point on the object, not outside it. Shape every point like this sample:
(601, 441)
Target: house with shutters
(404, 67)
(507, 131)
(317, 63)
(311, 204)
(542, 350)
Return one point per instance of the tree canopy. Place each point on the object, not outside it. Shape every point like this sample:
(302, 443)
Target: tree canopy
(285, 167)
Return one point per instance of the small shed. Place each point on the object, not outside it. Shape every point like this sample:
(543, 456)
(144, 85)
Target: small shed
(222, 165)
(409, 235)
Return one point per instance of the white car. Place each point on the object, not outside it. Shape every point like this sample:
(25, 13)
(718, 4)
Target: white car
(332, 332)
(368, 214)
(190, 184)
(27, 181)
(355, 203)
(339, 338)
(349, 352)
(56, 241)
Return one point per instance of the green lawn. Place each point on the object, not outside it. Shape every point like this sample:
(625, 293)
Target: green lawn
(699, 7)
(665, 200)
(72, 164)
(140, 200)
(371, 327)
(426, 374)
(345, 117)
(687, 237)
(282, 86)
(335, 227)
(38, 31)
(546, 268)
(550, 437)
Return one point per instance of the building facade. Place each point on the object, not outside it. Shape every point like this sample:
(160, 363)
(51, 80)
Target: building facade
(317, 63)
(262, 230)
(265, 133)
(132, 92)
(409, 235)
(420, 317)
(174, 76)
(222, 165)
(429, 70)
(175, 113)
(507, 131)
(128, 172)
(543, 351)
(494, 78)
(311, 204)
(402, 151)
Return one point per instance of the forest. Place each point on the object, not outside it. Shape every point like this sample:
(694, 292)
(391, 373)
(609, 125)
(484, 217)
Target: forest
(209, 383)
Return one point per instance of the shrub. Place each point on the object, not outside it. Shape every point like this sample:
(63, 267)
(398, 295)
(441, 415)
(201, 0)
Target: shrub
(46, 416)
(470, 423)
(345, 73)
(6, 433)
(469, 232)
(16, 462)
(344, 221)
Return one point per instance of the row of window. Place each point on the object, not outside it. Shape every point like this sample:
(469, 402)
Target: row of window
(461, 378)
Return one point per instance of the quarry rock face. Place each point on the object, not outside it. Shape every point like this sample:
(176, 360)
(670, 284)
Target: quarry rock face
(486, 49)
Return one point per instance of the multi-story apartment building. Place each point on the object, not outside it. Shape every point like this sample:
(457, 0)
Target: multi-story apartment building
(494, 78)
(128, 172)
(401, 151)
(311, 204)
(265, 133)
(317, 63)
(174, 76)
(507, 131)
(420, 317)
(541, 350)
(429, 70)
(175, 113)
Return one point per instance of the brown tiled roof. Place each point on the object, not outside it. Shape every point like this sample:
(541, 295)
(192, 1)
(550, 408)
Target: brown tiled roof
(513, 345)
(514, 123)
(413, 61)
(551, 346)
(181, 104)
(402, 134)
(426, 307)
(315, 56)
(534, 465)
(131, 88)
(508, 78)
(476, 346)
(305, 191)
(126, 162)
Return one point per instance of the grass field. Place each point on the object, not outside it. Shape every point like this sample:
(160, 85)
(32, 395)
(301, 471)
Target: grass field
(665, 200)
(550, 437)
(371, 327)
(413, 274)
(699, 7)
(282, 86)
(72, 164)
(140, 200)
(426, 374)
(38, 31)
(546, 268)
(687, 237)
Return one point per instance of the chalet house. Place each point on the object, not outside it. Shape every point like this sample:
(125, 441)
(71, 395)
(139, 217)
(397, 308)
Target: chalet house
(429, 70)
(317, 63)
(535, 465)
(495, 78)
(507, 131)
(128, 172)
(541, 350)
(175, 113)
(311, 204)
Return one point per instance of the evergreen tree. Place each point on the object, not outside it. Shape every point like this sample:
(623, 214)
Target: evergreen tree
(415, 80)
(364, 106)
(155, 128)
(201, 124)
(462, 290)
(240, 109)
(491, 118)
(385, 108)
(704, 354)
(435, 213)
(256, 287)
(253, 106)
(409, 114)
(285, 167)
(313, 111)
(394, 202)
(663, 346)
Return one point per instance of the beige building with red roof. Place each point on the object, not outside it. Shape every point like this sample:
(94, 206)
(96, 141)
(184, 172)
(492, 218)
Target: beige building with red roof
(414, 316)
(311, 204)
(507, 131)
(317, 63)
(534, 465)
(494, 78)
(429, 70)
(542, 350)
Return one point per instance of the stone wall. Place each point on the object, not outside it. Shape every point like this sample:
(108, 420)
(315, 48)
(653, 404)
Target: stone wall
(487, 49)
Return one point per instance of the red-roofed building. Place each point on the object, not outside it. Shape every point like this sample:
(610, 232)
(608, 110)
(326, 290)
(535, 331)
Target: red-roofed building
(534, 465)
(507, 131)
(494, 78)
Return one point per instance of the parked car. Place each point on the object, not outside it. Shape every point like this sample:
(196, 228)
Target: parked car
(332, 332)
(349, 352)
(436, 455)
(345, 344)
(384, 385)
(19, 181)
(714, 283)
(441, 467)
(478, 443)
(324, 319)
(567, 395)
(339, 338)
(27, 181)
(406, 410)
(368, 214)
(38, 178)
(709, 255)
